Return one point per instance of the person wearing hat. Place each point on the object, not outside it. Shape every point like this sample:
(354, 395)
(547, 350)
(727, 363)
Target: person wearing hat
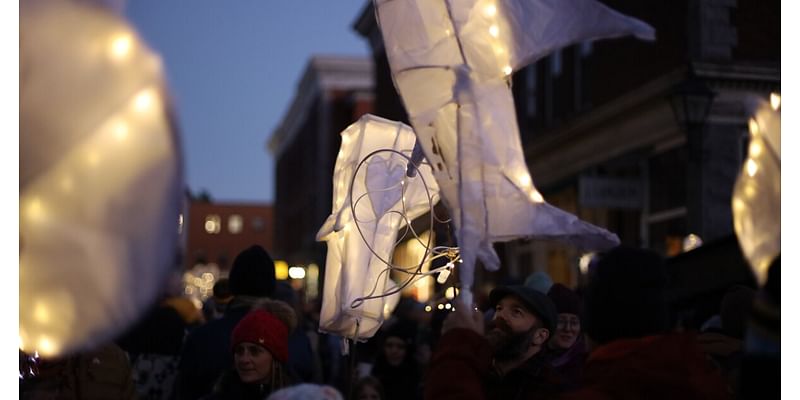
(395, 366)
(633, 354)
(205, 354)
(260, 347)
(567, 346)
(509, 362)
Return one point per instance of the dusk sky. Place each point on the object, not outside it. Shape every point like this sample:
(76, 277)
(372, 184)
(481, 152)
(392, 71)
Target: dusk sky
(233, 67)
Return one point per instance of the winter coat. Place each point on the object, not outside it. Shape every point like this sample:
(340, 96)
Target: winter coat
(230, 387)
(207, 354)
(669, 366)
(726, 353)
(399, 383)
(568, 364)
(96, 375)
(154, 348)
(461, 368)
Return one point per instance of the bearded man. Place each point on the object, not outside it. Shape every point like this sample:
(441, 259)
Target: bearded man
(509, 362)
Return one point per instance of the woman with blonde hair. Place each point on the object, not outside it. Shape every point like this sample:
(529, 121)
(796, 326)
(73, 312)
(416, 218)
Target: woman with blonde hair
(260, 345)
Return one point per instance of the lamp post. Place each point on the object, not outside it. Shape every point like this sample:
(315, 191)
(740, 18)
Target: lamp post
(691, 102)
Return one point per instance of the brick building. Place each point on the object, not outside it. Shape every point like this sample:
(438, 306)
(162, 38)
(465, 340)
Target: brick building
(334, 92)
(217, 232)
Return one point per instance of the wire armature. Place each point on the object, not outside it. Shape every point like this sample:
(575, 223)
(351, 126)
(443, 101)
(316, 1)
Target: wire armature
(431, 252)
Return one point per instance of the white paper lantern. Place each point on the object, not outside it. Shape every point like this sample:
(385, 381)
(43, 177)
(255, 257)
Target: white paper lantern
(361, 233)
(756, 200)
(450, 61)
(100, 177)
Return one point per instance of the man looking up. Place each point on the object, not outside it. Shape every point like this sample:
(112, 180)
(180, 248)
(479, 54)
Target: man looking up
(509, 362)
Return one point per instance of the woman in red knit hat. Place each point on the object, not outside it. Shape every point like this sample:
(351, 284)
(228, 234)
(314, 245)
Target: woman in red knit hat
(260, 345)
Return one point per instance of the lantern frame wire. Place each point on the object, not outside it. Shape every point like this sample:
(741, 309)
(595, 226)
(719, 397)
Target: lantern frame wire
(431, 252)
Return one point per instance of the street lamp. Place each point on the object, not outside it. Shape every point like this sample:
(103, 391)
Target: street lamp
(691, 101)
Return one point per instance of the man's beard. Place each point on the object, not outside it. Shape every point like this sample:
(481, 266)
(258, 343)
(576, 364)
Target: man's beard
(508, 345)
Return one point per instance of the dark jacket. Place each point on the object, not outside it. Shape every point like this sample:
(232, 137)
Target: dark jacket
(401, 382)
(726, 354)
(461, 368)
(670, 366)
(534, 379)
(207, 354)
(230, 387)
(99, 374)
(568, 364)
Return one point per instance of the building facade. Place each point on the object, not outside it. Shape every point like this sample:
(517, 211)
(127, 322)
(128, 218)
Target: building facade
(334, 92)
(217, 232)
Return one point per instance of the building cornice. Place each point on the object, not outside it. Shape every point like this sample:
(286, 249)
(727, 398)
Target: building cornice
(367, 26)
(322, 74)
(639, 119)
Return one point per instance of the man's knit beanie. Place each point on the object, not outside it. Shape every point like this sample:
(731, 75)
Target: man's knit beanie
(252, 273)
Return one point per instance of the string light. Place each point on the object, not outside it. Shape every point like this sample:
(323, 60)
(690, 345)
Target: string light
(524, 180)
(494, 30)
(738, 205)
(490, 10)
(536, 197)
(144, 100)
(752, 167)
(451, 293)
(40, 313)
(47, 346)
(753, 126)
(749, 190)
(120, 131)
(507, 70)
(755, 149)
(445, 273)
(121, 46)
(775, 101)
(35, 210)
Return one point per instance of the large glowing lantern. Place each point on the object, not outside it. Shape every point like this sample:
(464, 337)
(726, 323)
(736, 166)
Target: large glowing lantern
(100, 177)
(756, 200)
(451, 61)
(373, 197)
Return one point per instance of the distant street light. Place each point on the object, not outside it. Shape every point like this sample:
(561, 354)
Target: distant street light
(297, 272)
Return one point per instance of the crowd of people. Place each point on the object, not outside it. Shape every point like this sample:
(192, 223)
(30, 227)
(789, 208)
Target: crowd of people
(255, 339)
